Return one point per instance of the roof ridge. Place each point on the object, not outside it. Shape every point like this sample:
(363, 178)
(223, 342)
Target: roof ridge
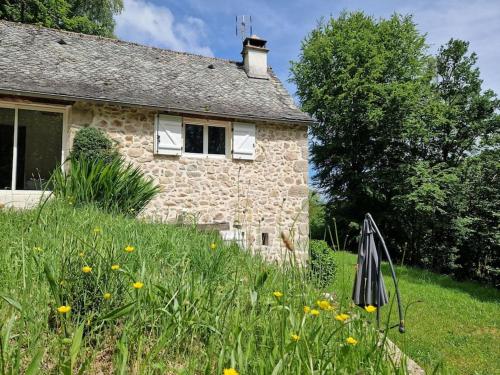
(114, 40)
(35, 61)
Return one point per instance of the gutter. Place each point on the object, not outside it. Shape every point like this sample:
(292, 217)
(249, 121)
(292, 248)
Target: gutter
(41, 95)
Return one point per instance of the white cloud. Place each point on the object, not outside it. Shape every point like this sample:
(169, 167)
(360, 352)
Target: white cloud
(146, 23)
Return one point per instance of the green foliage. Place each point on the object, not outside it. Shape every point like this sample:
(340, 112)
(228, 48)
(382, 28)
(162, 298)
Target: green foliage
(478, 224)
(322, 263)
(316, 216)
(363, 81)
(92, 144)
(396, 131)
(113, 186)
(466, 116)
(83, 16)
(201, 310)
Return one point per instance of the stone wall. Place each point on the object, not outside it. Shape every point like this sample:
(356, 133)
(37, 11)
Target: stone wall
(268, 194)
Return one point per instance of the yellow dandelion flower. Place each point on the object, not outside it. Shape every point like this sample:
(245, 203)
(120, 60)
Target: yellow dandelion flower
(81, 254)
(324, 305)
(213, 246)
(278, 294)
(307, 309)
(115, 267)
(86, 269)
(314, 312)
(341, 317)
(230, 371)
(97, 230)
(370, 308)
(129, 249)
(138, 285)
(37, 249)
(64, 309)
(351, 341)
(106, 296)
(295, 337)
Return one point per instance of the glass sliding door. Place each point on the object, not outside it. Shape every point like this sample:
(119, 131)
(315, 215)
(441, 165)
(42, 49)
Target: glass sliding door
(39, 145)
(33, 138)
(7, 118)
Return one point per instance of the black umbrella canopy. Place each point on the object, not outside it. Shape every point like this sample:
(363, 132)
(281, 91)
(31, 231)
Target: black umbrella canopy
(369, 287)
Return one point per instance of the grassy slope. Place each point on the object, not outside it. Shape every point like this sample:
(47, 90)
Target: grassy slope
(200, 310)
(455, 322)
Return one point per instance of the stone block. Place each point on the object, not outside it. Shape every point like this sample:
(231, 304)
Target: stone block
(135, 152)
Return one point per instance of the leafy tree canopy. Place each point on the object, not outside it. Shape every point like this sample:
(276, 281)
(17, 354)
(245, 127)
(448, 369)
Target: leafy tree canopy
(410, 137)
(84, 16)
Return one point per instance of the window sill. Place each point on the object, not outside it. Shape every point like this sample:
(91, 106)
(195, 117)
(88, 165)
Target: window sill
(10, 191)
(22, 198)
(188, 155)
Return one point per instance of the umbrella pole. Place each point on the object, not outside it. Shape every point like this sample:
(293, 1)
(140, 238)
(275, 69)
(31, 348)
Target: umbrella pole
(398, 296)
(379, 284)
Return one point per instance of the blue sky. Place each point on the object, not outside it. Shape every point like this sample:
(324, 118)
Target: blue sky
(208, 26)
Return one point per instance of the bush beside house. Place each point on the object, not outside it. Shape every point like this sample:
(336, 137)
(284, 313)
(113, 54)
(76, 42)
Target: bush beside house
(322, 263)
(98, 175)
(93, 144)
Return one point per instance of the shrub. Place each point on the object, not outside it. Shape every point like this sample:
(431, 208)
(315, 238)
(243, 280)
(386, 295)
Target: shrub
(322, 263)
(93, 144)
(114, 185)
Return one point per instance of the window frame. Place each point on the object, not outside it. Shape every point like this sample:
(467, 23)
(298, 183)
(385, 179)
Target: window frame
(206, 123)
(64, 109)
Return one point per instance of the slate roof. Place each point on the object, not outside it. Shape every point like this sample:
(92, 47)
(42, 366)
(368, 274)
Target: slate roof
(37, 61)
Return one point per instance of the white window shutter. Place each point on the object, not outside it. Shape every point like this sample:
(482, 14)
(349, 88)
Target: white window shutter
(243, 141)
(168, 137)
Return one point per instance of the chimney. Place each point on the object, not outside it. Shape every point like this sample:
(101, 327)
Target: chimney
(255, 57)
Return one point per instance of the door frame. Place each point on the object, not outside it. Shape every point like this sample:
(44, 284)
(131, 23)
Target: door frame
(16, 196)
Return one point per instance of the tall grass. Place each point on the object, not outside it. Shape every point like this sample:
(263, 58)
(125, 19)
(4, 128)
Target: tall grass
(203, 306)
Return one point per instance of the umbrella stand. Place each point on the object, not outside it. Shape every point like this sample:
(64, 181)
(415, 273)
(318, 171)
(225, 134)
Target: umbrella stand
(393, 273)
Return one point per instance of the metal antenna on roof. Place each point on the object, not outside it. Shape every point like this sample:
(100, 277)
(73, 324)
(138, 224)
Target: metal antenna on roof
(244, 26)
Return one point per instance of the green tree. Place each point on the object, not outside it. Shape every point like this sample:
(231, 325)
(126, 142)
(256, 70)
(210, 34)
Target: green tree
(441, 219)
(464, 113)
(479, 223)
(84, 16)
(411, 138)
(364, 80)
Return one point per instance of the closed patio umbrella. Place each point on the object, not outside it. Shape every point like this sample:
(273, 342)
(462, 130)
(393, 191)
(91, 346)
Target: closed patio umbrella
(369, 287)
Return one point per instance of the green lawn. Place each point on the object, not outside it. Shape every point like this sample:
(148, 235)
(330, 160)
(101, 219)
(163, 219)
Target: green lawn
(449, 322)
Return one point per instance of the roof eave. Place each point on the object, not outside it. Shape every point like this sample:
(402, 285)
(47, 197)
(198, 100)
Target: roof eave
(42, 95)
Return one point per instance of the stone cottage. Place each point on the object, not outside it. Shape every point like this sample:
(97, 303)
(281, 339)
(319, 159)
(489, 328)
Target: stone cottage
(223, 139)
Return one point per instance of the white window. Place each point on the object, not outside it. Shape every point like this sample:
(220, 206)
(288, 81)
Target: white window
(206, 138)
(193, 137)
(31, 145)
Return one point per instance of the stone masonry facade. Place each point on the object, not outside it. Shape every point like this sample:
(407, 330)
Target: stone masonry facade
(265, 195)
